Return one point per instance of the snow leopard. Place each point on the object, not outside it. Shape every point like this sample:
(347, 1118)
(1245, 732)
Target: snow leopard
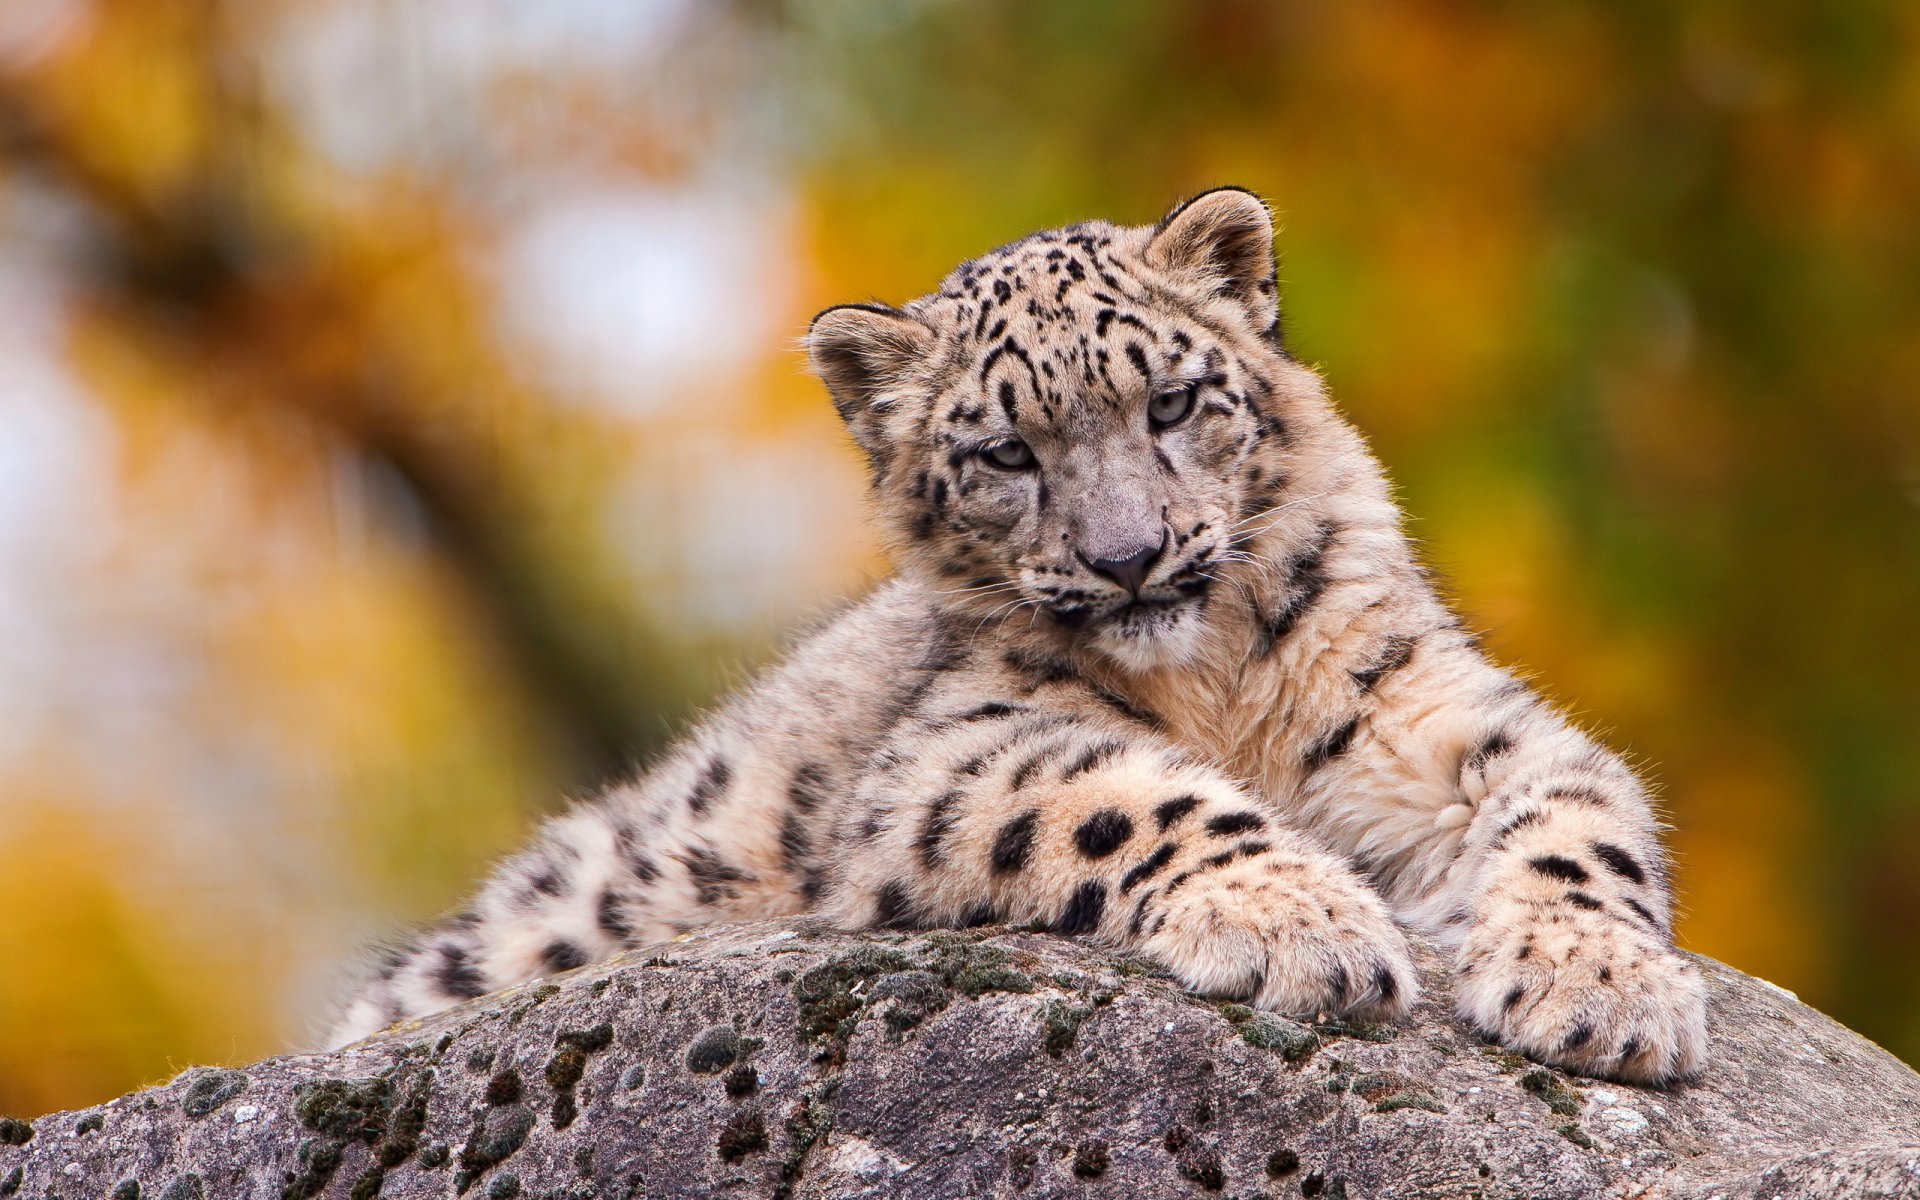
(1158, 667)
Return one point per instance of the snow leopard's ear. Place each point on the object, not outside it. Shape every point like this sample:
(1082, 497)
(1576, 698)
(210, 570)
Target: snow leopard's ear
(1222, 242)
(862, 352)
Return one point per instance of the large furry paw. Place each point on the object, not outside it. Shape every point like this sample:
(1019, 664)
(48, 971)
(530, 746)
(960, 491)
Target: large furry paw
(1586, 991)
(1294, 937)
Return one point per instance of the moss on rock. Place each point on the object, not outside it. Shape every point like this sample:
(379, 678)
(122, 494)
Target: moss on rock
(1551, 1088)
(744, 1133)
(498, 1134)
(569, 1063)
(185, 1187)
(1091, 1158)
(1060, 1022)
(1390, 1092)
(1289, 1039)
(713, 1050)
(347, 1109)
(971, 968)
(909, 998)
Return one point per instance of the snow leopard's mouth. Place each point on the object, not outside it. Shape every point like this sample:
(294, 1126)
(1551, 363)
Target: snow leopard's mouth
(1078, 608)
(1147, 611)
(1133, 611)
(1151, 631)
(1163, 604)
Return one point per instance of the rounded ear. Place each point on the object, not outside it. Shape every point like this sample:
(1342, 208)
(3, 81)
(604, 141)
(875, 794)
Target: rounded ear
(1222, 241)
(861, 352)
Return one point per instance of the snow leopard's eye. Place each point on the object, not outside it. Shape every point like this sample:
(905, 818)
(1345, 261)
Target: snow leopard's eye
(1010, 455)
(1170, 408)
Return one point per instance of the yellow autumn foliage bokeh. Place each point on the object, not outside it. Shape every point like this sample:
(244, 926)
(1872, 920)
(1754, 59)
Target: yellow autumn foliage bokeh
(401, 427)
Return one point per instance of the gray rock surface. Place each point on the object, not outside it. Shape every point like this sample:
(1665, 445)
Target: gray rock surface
(782, 1059)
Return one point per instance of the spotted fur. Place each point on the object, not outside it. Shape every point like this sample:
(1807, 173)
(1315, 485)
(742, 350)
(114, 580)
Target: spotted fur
(1159, 667)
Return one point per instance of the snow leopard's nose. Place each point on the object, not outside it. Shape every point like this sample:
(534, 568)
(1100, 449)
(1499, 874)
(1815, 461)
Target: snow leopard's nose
(1129, 572)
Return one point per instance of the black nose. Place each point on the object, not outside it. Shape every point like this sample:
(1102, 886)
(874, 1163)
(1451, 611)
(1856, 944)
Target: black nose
(1129, 572)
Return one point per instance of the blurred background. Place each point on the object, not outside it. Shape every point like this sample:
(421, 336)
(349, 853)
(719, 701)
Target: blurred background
(402, 429)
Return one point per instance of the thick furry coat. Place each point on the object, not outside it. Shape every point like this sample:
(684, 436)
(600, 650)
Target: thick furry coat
(1159, 667)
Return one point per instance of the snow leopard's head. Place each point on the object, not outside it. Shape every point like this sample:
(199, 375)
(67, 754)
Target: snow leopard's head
(1081, 428)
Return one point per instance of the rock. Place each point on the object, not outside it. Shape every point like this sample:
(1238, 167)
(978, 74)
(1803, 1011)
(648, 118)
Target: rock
(784, 1059)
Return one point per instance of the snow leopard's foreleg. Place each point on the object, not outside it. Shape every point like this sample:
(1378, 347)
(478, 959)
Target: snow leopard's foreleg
(1017, 813)
(1560, 907)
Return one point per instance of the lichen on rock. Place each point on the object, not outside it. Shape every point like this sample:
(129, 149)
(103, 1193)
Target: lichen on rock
(786, 1060)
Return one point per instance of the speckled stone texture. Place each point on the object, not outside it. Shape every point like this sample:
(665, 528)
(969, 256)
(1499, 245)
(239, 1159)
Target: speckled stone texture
(782, 1059)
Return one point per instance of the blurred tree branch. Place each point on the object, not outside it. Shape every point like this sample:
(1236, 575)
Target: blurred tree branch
(207, 272)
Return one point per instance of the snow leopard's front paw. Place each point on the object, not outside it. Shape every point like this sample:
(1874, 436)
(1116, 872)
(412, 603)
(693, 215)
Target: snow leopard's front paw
(1297, 934)
(1585, 990)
